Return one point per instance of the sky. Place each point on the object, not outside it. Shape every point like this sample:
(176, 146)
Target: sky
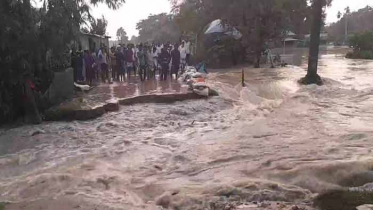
(339, 5)
(130, 14)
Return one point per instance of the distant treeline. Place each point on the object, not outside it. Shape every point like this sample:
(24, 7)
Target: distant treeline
(357, 22)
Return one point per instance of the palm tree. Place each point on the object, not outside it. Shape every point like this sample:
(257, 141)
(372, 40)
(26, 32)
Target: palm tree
(339, 15)
(112, 4)
(347, 10)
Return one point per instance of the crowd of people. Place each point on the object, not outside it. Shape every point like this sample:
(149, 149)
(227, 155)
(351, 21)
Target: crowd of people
(122, 62)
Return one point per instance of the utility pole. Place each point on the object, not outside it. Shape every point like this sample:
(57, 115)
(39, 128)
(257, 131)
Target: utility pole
(346, 29)
(347, 12)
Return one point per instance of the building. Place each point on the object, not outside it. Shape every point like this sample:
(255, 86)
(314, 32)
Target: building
(93, 42)
(290, 39)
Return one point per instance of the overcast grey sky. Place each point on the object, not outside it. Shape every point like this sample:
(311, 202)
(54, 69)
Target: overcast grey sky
(129, 14)
(339, 5)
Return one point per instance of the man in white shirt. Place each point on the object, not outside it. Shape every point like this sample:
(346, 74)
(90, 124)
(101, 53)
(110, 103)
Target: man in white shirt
(183, 55)
(159, 49)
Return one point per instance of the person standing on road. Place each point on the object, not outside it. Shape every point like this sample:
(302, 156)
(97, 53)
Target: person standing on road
(155, 59)
(103, 57)
(135, 50)
(159, 51)
(149, 61)
(113, 64)
(175, 56)
(165, 61)
(188, 52)
(89, 66)
(130, 60)
(183, 55)
(120, 59)
(141, 57)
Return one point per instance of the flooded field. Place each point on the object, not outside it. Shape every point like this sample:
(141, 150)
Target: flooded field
(273, 141)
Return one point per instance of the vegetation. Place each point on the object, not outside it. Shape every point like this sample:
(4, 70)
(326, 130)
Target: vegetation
(134, 39)
(158, 28)
(259, 21)
(357, 22)
(122, 36)
(362, 45)
(99, 26)
(33, 44)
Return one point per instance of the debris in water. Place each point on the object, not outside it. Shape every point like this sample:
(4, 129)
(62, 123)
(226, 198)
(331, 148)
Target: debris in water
(264, 135)
(105, 181)
(37, 132)
(295, 208)
(158, 167)
(164, 200)
(175, 192)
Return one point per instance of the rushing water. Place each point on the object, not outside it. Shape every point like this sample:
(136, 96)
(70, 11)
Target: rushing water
(271, 141)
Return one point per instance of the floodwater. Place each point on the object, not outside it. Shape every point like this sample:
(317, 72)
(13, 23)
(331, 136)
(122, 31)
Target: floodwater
(131, 88)
(272, 141)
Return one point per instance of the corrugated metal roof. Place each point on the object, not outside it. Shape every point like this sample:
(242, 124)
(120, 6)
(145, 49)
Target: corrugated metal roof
(290, 40)
(95, 35)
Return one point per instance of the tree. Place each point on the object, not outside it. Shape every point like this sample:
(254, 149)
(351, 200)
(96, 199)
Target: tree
(158, 28)
(134, 39)
(312, 77)
(347, 10)
(258, 21)
(99, 26)
(122, 36)
(29, 39)
(112, 4)
(263, 21)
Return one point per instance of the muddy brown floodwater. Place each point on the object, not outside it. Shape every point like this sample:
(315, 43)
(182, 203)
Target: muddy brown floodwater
(270, 145)
(133, 88)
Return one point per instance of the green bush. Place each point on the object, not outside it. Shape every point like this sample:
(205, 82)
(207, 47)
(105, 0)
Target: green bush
(362, 42)
(360, 55)
(367, 54)
(2, 206)
(362, 45)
